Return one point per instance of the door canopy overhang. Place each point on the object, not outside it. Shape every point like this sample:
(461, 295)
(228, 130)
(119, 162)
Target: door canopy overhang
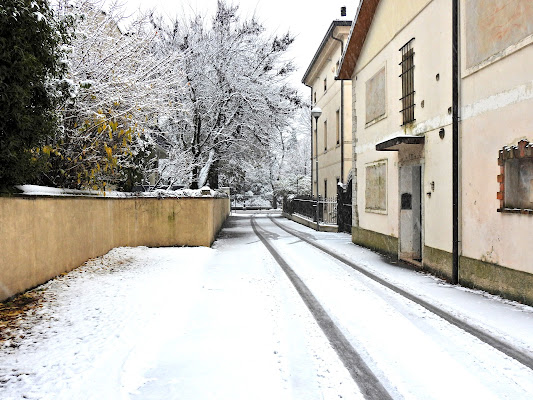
(400, 143)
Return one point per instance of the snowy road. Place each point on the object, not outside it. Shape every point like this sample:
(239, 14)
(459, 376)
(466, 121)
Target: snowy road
(227, 323)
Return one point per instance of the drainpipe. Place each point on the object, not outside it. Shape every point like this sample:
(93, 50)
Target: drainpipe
(311, 150)
(342, 113)
(455, 140)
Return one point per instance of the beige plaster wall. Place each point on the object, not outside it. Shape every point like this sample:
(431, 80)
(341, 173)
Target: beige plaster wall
(491, 26)
(496, 104)
(329, 161)
(438, 204)
(396, 15)
(496, 89)
(393, 26)
(487, 235)
(45, 236)
(384, 222)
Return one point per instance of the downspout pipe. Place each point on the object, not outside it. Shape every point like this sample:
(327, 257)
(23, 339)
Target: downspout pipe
(342, 113)
(455, 141)
(311, 149)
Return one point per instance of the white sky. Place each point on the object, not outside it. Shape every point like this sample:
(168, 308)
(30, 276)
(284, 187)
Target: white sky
(308, 20)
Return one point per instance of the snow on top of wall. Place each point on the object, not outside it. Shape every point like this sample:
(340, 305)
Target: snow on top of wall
(35, 190)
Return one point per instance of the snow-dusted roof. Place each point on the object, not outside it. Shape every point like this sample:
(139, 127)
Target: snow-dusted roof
(336, 23)
(360, 27)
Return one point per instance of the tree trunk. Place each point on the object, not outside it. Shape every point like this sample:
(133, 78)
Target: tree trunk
(213, 175)
(195, 174)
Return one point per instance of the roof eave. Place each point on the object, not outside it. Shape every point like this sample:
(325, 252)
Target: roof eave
(360, 27)
(334, 24)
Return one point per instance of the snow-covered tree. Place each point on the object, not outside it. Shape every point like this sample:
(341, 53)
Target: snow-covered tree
(285, 168)
(121, 81)
(237, 97)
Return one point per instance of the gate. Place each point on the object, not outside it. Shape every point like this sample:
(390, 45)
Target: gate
(344, 208)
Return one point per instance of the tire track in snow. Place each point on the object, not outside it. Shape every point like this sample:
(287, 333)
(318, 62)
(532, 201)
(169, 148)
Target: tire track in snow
(505, 348)
(368, 383)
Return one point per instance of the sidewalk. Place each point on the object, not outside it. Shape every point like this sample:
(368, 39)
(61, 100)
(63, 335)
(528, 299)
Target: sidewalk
(508, 320)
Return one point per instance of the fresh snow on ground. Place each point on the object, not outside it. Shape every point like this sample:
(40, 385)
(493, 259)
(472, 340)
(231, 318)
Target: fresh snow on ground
(508, 320)
(173, 323)
(413, 350)
(226, 323)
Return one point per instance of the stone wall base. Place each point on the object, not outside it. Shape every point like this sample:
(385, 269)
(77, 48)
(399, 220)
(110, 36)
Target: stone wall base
(375, 241)
(476, 274)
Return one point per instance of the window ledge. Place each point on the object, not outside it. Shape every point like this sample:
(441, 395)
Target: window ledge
(515, 211)
(375, 120)
(376, 211)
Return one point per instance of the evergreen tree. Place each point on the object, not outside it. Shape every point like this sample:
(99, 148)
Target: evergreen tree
(29, 59)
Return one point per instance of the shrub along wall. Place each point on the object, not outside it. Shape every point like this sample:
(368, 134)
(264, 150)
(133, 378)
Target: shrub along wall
(42, 237)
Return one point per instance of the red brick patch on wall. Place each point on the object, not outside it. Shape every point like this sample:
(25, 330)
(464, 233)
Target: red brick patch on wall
(524, 149)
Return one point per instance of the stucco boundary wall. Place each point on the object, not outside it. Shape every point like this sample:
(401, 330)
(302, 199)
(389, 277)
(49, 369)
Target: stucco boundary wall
(44, 236)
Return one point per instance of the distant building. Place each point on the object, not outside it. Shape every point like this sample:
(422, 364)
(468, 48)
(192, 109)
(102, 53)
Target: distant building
(334, 125)
(400, 62)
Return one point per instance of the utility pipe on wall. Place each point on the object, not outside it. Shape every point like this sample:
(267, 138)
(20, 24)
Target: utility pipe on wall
(455, 141)
(311, 152)
(342, 113)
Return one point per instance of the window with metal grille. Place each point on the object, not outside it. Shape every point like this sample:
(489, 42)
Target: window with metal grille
(408, 87)
(325, 135)
(337, 126)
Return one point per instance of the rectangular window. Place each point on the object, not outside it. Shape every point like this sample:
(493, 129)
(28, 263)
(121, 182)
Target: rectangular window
(325, 135)
(325, 188)
(376, 97)
(516, 178)
(408, 87)
(325, 84)
(376, 187)
(338, 126)
(314, 97)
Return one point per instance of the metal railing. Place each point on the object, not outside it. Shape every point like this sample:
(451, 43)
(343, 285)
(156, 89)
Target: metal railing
(306, 207)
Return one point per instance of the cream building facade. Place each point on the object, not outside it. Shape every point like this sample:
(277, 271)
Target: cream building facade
(400, 61)
(334, 125)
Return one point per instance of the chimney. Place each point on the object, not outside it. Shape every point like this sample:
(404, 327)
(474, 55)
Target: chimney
(343, 11)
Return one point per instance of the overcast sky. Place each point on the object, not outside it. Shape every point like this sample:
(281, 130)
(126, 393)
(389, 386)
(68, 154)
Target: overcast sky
(308, 20)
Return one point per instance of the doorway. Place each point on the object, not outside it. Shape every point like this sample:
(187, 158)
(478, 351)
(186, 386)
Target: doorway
(411, 213)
